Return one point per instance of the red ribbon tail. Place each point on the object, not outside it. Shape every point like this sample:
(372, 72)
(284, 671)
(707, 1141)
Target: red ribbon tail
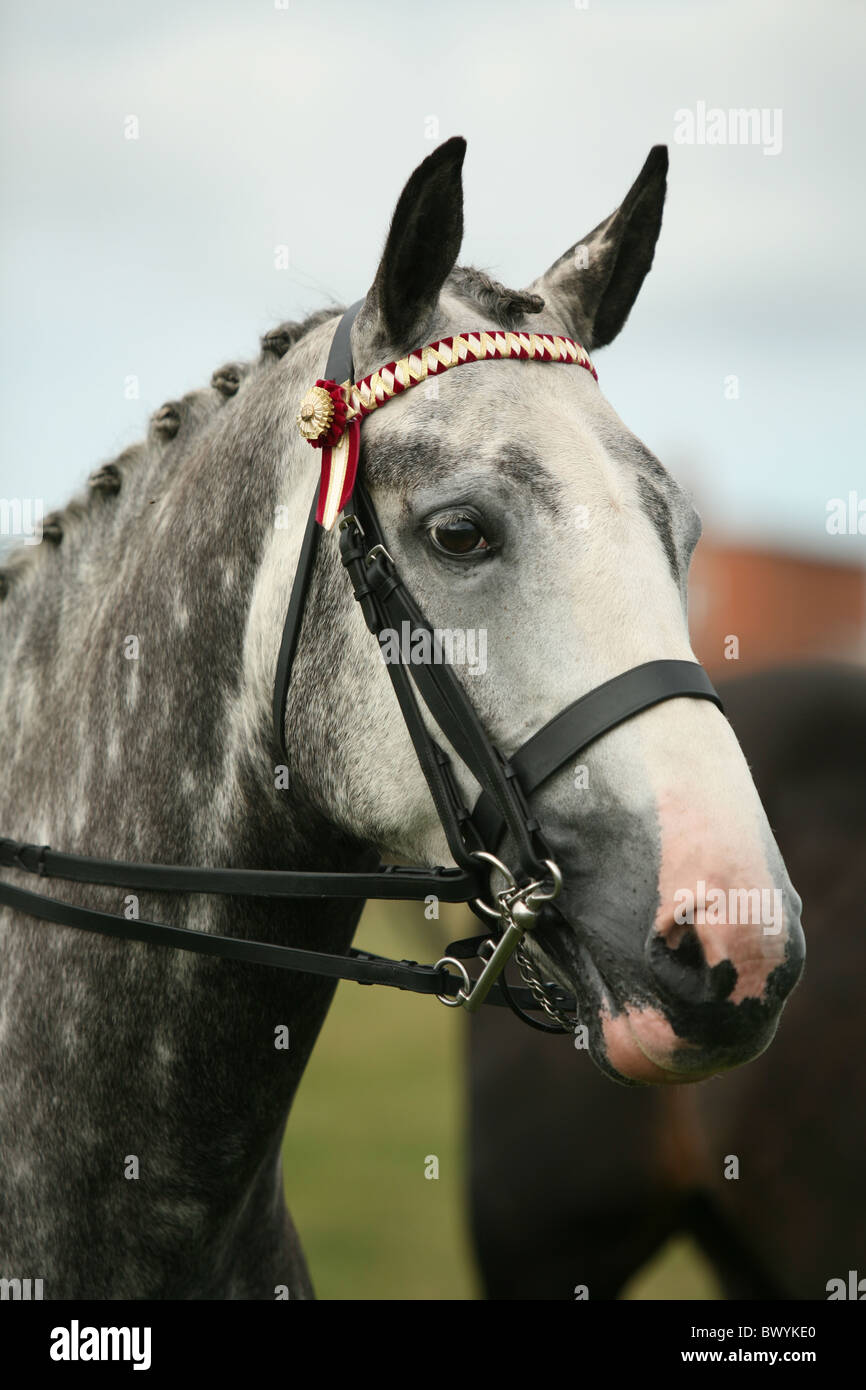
(339, 470)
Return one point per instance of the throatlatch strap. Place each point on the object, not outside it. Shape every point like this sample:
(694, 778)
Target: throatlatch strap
(339, 367)
(292, 625)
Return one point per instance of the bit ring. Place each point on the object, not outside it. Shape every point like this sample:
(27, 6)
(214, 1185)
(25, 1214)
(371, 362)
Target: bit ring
(511, 884)
(462, 994)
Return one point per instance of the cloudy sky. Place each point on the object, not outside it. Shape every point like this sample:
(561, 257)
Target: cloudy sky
(296, 123)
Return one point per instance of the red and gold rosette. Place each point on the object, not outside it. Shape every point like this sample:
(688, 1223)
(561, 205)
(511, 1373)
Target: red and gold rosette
(330, 415)
(322, 421)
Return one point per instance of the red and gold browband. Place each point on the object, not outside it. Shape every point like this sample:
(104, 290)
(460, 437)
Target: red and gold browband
(330, 415)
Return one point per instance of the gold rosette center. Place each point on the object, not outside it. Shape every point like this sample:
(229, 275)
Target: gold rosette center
(316, 413)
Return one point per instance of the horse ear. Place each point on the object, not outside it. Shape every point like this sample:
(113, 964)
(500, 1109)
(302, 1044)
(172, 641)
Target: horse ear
(594, 285)
(420, 252)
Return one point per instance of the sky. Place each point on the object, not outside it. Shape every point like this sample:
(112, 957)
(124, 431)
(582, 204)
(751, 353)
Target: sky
(141, 264)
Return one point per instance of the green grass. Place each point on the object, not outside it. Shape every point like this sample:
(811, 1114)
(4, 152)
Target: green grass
(679, 1270)
(383, 1091)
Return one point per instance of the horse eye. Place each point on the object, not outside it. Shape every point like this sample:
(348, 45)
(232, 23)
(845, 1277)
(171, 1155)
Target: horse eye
(459, 535)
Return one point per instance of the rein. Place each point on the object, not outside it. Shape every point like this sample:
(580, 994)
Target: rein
(330, 418)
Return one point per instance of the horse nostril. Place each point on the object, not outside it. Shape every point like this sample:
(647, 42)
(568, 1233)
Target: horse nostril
(678, 964)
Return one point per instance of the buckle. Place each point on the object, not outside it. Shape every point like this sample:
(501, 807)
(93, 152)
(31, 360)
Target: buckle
(12, 857)
(517, 912)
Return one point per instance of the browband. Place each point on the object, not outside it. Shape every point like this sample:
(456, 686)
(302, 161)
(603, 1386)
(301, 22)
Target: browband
(330, 414)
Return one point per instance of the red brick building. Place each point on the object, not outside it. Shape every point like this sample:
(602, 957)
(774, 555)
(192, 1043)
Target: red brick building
(780, 607)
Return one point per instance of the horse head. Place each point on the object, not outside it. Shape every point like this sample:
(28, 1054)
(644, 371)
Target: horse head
(524, 515)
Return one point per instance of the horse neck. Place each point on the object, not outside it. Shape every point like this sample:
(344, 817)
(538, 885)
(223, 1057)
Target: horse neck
(142, 650)
(161, 750)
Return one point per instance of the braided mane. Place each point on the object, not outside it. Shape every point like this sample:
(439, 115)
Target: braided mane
(193, 411)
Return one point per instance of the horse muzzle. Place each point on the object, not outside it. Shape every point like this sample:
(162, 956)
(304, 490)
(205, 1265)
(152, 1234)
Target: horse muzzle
(679, 1007)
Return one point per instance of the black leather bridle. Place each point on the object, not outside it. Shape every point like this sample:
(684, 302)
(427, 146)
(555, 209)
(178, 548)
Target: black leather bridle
(504, 806)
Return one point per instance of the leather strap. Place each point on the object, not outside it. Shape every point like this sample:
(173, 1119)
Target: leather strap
(389, 882)
(361, 966)
(339, 368)
(388, 604)
(594, 714)
(434, 762)
(292, 625)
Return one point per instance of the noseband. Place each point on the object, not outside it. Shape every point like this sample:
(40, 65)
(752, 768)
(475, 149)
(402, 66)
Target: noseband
(330, 418)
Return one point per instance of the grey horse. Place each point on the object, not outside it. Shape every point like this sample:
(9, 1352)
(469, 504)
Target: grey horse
(143, 1097)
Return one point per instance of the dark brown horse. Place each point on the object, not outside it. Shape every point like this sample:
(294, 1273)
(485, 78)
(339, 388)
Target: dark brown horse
(575, 1181)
